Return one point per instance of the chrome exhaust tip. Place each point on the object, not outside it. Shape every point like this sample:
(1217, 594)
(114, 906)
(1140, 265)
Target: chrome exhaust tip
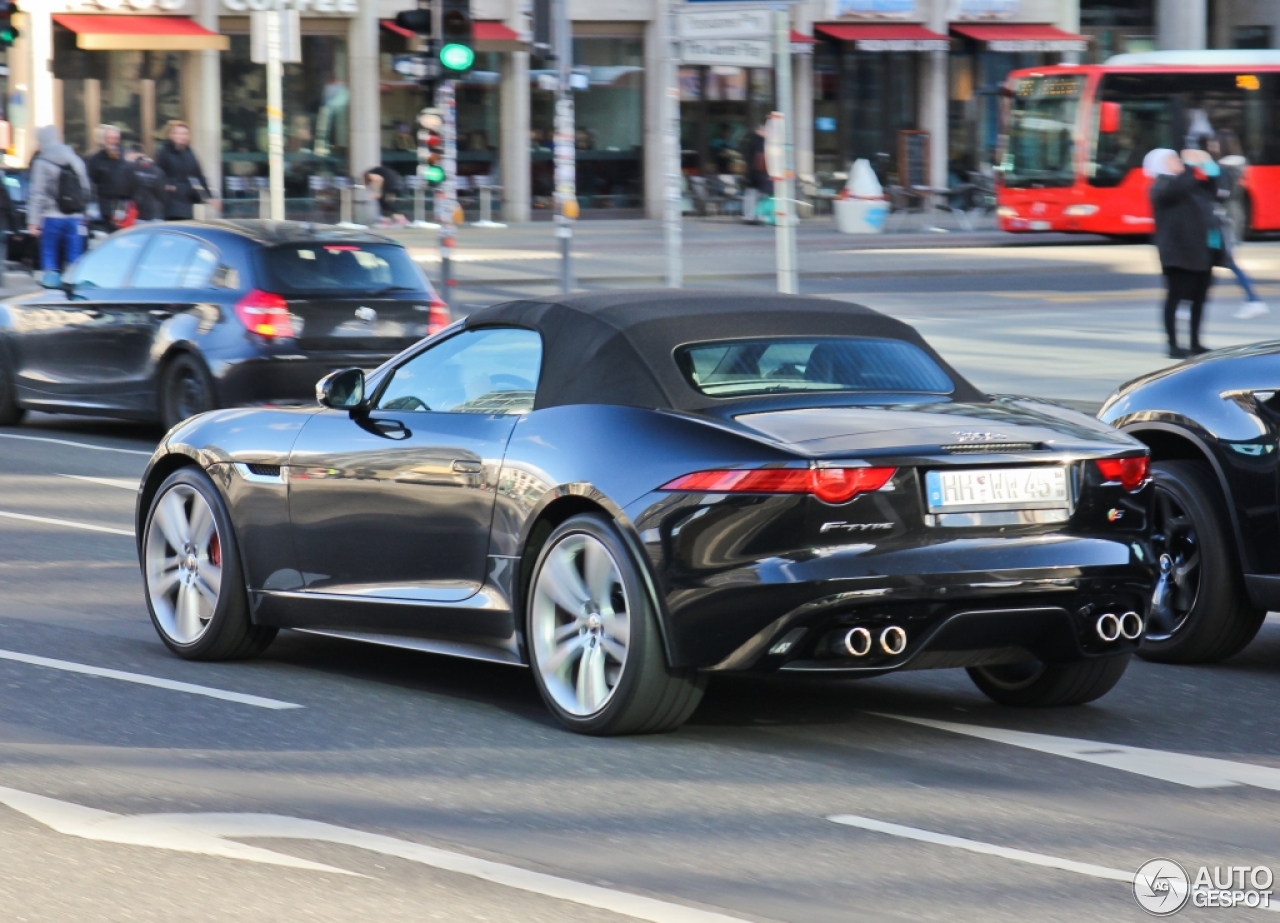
(1108, 627)
(858, 642)
(1131, 626)
(893, 640)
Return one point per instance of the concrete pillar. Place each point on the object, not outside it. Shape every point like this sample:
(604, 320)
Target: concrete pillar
(1181, 25)
(655, 37)
(802, 107)
(39, 24)
(204, 101)
(1069, 21)
(935, 71)
(365, 107)
(514, 114)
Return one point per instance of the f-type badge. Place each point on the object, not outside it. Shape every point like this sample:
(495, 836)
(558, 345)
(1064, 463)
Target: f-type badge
(368, 315)
(855, 526)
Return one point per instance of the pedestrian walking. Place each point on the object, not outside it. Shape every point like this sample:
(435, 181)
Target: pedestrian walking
(1227, 151)
(759, 183)
(146, 186)
(110, 177)
(56, 200)
(1188, 237)
(384, 185)
(184, 180)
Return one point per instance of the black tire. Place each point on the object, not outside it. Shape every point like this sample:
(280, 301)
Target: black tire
(1039, 685)
(648, 697)
(185, 389)
(11, 413)
(229, 633)
(1200, 611)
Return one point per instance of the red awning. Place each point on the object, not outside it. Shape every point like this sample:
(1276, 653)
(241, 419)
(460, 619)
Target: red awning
(390, 26)
(495, 32)
(140, 33)
(1023, 37)
(886, 37)
(799, 38)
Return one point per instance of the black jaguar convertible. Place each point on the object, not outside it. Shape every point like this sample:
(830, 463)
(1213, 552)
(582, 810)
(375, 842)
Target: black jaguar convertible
(630, 492)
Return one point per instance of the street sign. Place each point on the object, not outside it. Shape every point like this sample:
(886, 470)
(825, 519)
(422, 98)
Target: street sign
(416, 66)
(733, 52)
(757, 23)
(775, 139)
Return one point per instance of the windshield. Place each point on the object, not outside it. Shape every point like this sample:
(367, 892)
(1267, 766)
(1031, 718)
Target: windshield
(358, 270)
(1039, 150)
(737, 368)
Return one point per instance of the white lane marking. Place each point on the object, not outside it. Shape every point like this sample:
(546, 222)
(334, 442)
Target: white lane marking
(988, 849)
(1179, 768)
(143, 680)
(66, 523)
(207, 834)
(122, 483)
(78, 445)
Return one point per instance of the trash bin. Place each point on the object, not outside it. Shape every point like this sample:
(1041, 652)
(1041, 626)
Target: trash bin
(861, 207)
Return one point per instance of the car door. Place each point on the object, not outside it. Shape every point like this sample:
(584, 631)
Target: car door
(397, 503)
(63, 341)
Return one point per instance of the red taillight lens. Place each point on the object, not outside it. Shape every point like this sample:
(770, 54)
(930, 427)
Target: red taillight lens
(439, 317)
(265, 313)
(831, 485)
(1132, 473)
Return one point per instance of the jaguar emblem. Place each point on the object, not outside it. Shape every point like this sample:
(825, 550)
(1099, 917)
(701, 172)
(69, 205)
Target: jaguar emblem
(368, 315)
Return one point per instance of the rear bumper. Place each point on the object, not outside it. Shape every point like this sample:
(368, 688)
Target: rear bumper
(284, 378)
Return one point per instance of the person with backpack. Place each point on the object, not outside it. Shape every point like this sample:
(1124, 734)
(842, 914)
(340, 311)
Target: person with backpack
(146, 185)
(55, 204)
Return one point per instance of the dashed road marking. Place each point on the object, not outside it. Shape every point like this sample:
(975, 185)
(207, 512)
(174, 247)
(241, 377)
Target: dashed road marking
(65, 523)
(122, 483)
(144, 680)
(78, 445)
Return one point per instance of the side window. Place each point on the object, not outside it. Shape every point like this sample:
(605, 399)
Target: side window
(478, 371)
(199, 271)
(108, 265)
(164, 262)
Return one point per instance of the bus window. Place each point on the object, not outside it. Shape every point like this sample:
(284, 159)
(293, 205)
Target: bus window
(1039, 149)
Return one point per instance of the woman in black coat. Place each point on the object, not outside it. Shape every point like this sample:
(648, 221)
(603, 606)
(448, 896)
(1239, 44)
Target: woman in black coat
(184, 180)
(1188, 237)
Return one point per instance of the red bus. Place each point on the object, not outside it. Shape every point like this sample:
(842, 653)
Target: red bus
(1073, 137)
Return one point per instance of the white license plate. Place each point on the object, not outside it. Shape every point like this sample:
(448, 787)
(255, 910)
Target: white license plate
(973, 489)
(1041, 226)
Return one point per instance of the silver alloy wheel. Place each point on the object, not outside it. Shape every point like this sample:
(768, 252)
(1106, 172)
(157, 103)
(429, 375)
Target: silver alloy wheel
(184, 563)
(580, 624)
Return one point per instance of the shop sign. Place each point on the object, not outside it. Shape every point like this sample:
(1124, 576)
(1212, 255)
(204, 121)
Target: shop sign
(871, 9)
(695, 24)
(117, 6)
(732, 52)
(970, 10)
(338, 7)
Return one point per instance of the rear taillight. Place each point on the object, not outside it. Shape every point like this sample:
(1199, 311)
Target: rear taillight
(438, 317)
(265, 313)
(831, 485)
(1131, 473)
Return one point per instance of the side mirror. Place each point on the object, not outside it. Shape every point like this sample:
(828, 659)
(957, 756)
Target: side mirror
(341, 390)
(1109, 118)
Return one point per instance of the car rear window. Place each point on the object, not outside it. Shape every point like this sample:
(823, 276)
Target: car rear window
(733, 368)
(322, 268)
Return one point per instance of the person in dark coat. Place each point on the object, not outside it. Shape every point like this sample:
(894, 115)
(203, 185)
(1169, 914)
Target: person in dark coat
(758, 180)
(1183, 199)
(146, 186)
(385, 184)
(185, 183)
(110, 176)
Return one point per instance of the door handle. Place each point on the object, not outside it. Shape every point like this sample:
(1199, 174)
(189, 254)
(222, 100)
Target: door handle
(161, 312)
(467, 466)
(92, 312)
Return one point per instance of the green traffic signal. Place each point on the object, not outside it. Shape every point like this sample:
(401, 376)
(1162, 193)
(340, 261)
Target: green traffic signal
(457, 57)
(8, 35)
(433, 174)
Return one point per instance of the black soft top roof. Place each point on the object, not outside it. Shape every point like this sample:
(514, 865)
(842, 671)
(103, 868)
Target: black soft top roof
(619, 347)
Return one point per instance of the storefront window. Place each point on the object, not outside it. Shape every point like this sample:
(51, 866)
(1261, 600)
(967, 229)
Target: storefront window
(609, 119)
(977, 78)
(864, 98)
(316, 113)
(165, 68)
(120, 92)
(719, 108)
(75, 120)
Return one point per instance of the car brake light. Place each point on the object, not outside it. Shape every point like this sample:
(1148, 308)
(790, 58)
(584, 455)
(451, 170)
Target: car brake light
(831, 485)
(265, 313)
(1132, 472)
(439, 317)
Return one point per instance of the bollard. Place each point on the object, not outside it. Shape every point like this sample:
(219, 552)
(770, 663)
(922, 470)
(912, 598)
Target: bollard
(344, 205)
(486, 210)
(198, 211)
(264, 204)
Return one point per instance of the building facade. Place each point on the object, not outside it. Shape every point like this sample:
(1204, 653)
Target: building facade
(911, 85)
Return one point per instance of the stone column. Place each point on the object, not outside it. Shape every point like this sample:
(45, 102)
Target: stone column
(1069, 21)
(1181, 24)
(365, 106)
(514, 116)
(934, 96)
(204, 101)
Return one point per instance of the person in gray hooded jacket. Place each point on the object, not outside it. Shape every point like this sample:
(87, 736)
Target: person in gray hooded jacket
(55, 213)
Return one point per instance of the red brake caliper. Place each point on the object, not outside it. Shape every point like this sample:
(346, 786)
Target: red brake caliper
(215, 551)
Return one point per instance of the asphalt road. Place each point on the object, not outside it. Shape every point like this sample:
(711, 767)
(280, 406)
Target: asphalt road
(331, 781)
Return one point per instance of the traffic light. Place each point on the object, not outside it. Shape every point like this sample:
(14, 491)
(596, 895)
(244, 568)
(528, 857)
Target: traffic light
(417, 21)
(457, 36)
(8, 34)
(431, 146)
